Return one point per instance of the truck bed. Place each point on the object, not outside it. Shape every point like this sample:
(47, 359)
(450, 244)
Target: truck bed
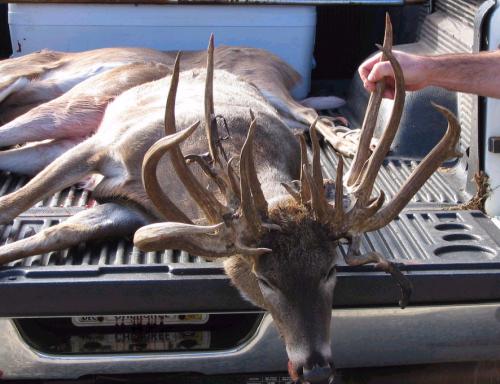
(441, 250)
(451, 256)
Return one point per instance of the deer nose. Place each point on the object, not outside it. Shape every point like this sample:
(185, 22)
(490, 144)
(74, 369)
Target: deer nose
(318, 375)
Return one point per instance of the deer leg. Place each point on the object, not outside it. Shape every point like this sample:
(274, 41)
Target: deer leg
(69, 168)
(289, 107)
(31, 159)
(355, 258)
(16, 85)
(53, 120)
(100, 222)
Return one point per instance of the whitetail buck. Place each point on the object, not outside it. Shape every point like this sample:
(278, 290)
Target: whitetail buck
(42, 77)
(279, 238)
(280, 249)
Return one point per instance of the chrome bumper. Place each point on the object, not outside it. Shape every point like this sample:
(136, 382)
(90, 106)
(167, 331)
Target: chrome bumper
(361, 338)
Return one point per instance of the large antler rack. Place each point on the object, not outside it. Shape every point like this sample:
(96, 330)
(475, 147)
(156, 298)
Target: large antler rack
(236, 226)
(365, 212)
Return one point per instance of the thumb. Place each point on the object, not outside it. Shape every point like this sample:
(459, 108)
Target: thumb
(379, 71)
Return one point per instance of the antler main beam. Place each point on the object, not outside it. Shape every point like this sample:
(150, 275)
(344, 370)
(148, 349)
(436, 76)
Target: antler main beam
(370, 120)
(442, 151)
(236, 225)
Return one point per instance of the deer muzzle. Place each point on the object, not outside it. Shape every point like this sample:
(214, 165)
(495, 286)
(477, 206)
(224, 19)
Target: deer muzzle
(318, 375)
(313, 375)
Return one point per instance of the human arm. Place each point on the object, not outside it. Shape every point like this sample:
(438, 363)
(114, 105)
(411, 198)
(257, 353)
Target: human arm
(471, 73)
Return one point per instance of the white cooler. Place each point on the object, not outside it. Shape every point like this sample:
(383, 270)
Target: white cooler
(287, 31)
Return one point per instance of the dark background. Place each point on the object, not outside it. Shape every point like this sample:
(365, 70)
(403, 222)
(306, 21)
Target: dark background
(5, 48)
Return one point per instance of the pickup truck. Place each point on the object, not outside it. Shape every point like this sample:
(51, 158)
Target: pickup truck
(108, 309)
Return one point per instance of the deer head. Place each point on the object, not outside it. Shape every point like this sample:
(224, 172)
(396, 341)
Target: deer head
(282, 256)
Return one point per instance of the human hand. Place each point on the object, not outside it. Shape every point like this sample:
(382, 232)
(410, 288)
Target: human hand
(415, 71)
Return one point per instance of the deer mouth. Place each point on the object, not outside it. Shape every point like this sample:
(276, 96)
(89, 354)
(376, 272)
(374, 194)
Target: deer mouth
(317, 375)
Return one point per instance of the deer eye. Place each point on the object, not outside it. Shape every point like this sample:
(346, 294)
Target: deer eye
(331, 273)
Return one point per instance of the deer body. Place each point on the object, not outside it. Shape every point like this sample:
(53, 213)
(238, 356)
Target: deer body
(126, 137)
(134, 121)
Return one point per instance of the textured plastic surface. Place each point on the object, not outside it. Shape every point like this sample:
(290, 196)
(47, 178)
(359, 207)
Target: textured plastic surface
(443, 251)
(78, 27)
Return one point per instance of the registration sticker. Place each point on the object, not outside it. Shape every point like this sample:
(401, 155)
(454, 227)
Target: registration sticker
(139, 320)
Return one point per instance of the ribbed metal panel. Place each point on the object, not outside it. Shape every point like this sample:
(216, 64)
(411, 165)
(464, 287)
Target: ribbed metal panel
(441, 35)
(112, 252)
(438, 190)
(463, 10)
(70, 197)
(415, 236)
(450, 30)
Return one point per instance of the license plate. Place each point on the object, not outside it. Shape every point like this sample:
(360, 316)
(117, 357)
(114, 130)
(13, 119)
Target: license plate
(134, 342)
(138, 320)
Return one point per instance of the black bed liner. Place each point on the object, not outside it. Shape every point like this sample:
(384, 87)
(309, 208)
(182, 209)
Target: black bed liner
(450, 257)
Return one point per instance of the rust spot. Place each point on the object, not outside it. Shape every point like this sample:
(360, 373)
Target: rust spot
(19, 48)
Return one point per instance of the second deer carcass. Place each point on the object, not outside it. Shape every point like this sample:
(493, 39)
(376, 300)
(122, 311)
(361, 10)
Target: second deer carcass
(279, 237)
(29, 81)
(34, 79)
(59, 124)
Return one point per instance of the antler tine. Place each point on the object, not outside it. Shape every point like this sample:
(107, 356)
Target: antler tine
(212, 208)
(250, 211)
(150, 180)
(370, 120)
(258, 196)
(234, 180)
(355, 258)
(363, 192)
(305, 190)
(319, 202)
(317, 174)
(210, 122)
(208, 170)
(443, 150)
(339, 191)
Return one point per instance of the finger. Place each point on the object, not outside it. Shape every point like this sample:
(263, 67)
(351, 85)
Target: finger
(366, 67)
(369, 86)
(379, 71)
(363, 73)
